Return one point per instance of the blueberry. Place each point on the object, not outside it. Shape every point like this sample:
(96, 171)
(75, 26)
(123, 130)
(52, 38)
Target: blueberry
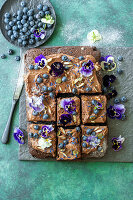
(6, 20)
(99, 148)
(7, 27)
(39, 80)
(64, 58)
(94, 102)
(40, 24)
(20, 26)
(123, 99)
(93, 133)
(19, 18)
(23, 37)
(23, 3)
(34, 113)
(31, 135)
(11, 23)
(19, 12)
(9, 33)
(24, 29)
(45, 8)
(17, 58)
(50, 89)
(40, 132)
(32, 36)
(64, 79)
(74, 90)
(15, 34)
(38, 16)
(30, 18)
(40, 7)
(31, 67)
(51, 94)
(36, 67)
(31, 41)
(85, 138)
(25, 17)
(32, 23)
(41, 13)
(25, 10)
(81, 58)
(88, 131)
(96, 111)
(24, 43)
(60, 145)
(12, 37)
(15, 20)
(84, 145)
(119, 71)
(28, 33)
(3, 56)
(45, 76)
(47, 12)
(65, 142)
(116, 100)
(88, 89)
(23, 21)
(19, 41)
(74, 113)
(120, 58)
(7, 15)
(18, 22)
(36, 127)
(78, 129)
(15, 28)
(45, 88)
(36, 135)
(37, 39)
(30, 12)
(123, 117)
(45, 116)
(49, 25)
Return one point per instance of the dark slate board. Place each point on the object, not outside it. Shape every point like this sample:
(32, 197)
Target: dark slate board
(124, 86)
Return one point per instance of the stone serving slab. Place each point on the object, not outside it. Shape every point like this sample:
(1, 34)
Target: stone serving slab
(124, 87)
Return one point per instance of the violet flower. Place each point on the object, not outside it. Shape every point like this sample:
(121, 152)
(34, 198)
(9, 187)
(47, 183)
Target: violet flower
(65, 119)
(36, 103)
(41, 60)
(98, 106)
(57, 69)
(107, 80)
(46, 129)
(68, 105)
(18, 136)
(93, 141)
(40, 33)
(117, 143)
(87, 69)
(108, 63)
(116, 111)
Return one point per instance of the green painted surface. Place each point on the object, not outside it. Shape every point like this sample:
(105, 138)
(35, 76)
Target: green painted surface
(63, 181)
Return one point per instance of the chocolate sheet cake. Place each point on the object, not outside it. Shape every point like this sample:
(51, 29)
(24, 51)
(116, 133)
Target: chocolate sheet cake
(65, 90)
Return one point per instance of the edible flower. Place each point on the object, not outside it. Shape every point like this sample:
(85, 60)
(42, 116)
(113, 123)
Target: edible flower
(117, 143)
(87, 68)
(41, 60)
(46, 129)
(65, 119)
(44, 143)
(48, 19)
(18, 136)
(94, 36)
(107, 80)
(40, 33)
(57, 69)
(93, 141)
(36, 103)
(68, 105)
(116, 111)
(98, 106)
(108, 63)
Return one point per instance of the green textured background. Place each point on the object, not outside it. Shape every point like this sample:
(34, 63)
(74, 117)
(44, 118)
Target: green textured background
(66, 180)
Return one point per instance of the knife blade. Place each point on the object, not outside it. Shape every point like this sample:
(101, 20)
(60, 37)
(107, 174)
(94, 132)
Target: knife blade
(16, 96)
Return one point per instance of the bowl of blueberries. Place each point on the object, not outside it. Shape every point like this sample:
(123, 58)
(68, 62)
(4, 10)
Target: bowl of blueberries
(27, 24)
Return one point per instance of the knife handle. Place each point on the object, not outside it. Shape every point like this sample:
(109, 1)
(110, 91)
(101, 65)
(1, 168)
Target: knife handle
(5, 135)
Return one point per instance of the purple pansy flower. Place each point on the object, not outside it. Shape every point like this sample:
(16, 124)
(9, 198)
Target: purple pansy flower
(41, 60)
(65, 119)
(93, 141)
(116, 111)
(107, 63)
(107, 80)
(19, 136)
(87, 69)
(98, 105)
(57, 69)
(36, 103)
(40, 33)
(46, 129)
(68, 105)
(117, 143)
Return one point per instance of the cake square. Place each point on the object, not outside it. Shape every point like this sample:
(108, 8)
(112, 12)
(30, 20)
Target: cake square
(68, 111)
(68, 144)
(93, 109)
(41, 140)
(94, 141)
(41, 108)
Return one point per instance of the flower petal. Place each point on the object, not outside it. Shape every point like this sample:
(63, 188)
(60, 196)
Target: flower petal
(120, 108)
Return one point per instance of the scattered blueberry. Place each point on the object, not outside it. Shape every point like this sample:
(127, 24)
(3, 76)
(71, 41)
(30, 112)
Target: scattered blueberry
(81, 58)
(50, 89)
(78, 129)
(19, 18)
(120, 58)
(7, 15)
(36, 67)
(45, 76)
(31, 135)
(7, 27)
(116, 100)
(17, 58)
(119, 71)
(123, 99)
(40, 132)
(60, 145)
(3, 56)
(36, 135)
(11, 23)
(94, 102)
(24, 43)
(99, 148)
(31, 67)
(64, 58)
(12, 37)
(88, 131)
(40, 7)
(51, 94)
(9, 33)
(6, 20)
(64, 79)
(36, 127)
(96, 111)
(45, 88)
(20, 26)
(32, 23)
(31, 41)
(35, 113)
(23, 21)
(25, 10)
(65, 142)
(30, 18)
(10, 52)
(15, 28)
(74, 90)
(84, 145)
(23, 3)
(85, 138)
(19, 41)
(45, 8)
(39, 80)
(16, 34)
(93, 133)
(25, 17)
(88, 89)
(18, 22)
(45, 116)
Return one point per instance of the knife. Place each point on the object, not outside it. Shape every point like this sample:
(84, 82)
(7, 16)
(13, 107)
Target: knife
(16, 96)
